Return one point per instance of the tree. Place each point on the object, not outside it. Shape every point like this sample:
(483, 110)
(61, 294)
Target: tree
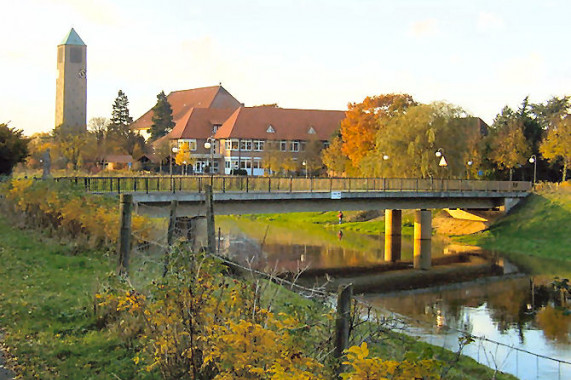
(411, 139)
(120, 118)
(119, 134)
(162, 117)
(557, 143)
(362, 122)
(183, 156)
(68, 146)
(508, 145)
(13, 148)
(333, 157)
(311, 155)
(162, 150)
(272, 156)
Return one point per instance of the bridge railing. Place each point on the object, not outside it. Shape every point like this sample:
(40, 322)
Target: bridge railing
(288, 184)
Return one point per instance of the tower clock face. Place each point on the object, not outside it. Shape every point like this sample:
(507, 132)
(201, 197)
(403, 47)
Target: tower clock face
(82, 73)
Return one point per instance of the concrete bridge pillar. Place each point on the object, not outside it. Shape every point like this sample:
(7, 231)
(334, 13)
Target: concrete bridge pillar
(193, 230)
(422, 239)
(393, 240)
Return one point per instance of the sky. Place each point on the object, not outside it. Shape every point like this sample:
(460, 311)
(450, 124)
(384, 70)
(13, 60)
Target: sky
(315, 54)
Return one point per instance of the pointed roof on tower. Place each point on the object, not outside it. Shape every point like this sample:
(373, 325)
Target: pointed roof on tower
(72, 38)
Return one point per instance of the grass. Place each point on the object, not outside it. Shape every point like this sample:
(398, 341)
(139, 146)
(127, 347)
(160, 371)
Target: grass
(46, 310)
(536, 234)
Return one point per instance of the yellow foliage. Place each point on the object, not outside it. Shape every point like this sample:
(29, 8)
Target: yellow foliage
(363, 368)
(59, 206)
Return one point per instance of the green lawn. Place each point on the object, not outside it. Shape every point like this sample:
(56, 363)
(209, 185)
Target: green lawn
(46, 310)
(535, 235)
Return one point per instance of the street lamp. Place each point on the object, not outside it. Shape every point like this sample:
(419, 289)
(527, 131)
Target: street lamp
(175, 151)
(304, 163)
(533, 160)
(210, 144)
(470, 163)
(442, 163)
(385, 157)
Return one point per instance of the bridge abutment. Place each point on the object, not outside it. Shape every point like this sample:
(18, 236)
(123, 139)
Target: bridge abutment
(393, 235)
(422, 239)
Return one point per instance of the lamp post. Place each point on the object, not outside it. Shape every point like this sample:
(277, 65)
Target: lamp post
(210, 144)
(440, 154)
(470, 163)
(385, 157)
(304, 163)
(533, 160)
(175, 151)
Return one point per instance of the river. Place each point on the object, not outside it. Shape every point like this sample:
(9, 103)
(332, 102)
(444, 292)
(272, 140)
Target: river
(510, 323)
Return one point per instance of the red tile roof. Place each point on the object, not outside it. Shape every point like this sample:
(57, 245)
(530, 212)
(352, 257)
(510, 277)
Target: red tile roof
(182, 102)
(119, 158)
(197, 123)
(289, 124)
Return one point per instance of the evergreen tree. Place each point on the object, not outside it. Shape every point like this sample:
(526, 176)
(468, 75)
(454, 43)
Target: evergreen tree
(162, 117)
(119, 134)
(120, 118)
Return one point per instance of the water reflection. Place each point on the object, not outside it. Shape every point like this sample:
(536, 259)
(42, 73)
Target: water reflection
(503, 311)
(285, 249)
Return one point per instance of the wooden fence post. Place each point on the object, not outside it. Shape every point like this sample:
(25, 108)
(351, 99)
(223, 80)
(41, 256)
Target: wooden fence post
(342, 322)
(170, 233)
(210, 230)
(124, 244)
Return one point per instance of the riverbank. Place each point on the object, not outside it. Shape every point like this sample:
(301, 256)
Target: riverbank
(536, 234)
(46, 308)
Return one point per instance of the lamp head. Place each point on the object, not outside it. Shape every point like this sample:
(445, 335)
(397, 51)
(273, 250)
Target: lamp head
(207, 145)
(174, 149)
(438, 153)
(385, 157)
(531, 160)
(470, 163)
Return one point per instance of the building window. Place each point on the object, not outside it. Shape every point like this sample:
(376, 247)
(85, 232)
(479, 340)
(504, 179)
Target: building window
(325, 144)
(191, 143)
(257, 164)
(246, 164)
(270, 129)
(258, 145)
(283, 145)
(294, 146)
(246, 145)
(215, 128)
(232, 144)
(303, 144)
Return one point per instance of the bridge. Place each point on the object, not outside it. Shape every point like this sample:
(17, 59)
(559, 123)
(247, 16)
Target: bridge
(250, 195)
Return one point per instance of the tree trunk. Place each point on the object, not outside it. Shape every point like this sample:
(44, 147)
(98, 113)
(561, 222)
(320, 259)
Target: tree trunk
(564, 170)
(511, 173)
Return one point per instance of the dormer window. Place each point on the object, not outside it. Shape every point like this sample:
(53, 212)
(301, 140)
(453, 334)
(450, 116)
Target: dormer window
(311, 131)
(215, 128)
(270, 129)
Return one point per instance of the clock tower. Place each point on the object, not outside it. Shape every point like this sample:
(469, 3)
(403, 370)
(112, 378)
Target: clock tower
(71, 85)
